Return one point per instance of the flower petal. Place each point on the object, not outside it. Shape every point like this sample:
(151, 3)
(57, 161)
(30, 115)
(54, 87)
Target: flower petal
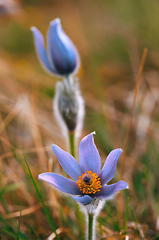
(83, 199)
(109, 190)
(61, 50)
(41, 50)
(62, 183)
(108, 170)
(88, 155)
(68, 162)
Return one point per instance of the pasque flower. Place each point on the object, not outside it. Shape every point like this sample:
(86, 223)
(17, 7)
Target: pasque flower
(61, 57)
(89, 182)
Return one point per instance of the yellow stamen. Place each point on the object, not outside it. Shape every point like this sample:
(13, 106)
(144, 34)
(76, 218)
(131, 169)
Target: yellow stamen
(89, 183)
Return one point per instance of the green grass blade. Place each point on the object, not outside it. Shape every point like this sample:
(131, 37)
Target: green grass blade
(5, 205)
(136, 224)
(9, 188)
(156, 238)
(18, 234)
(8, 232)
(126, 214)
(33, 232)
(40, 198)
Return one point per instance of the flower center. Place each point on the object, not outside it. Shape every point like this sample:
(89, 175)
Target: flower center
(89, 183)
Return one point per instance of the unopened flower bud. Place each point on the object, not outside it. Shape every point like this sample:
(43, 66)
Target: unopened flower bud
(68, 105)
(61, 57)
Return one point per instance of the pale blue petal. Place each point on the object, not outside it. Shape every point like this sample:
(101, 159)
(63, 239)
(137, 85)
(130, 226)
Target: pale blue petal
(61, 50)
(109, 190)
(64, 184)
(41, 51)
(83, 199)
(88, 155)
(68, 162)
(108, 170)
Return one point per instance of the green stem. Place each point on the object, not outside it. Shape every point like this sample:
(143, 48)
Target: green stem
(90, 226)
(72, 144)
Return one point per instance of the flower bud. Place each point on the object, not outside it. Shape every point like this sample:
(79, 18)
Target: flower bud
(61, 57)
(68, 105)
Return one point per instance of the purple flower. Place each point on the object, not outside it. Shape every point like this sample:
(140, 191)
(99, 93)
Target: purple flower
(89, 182)
(62, 57)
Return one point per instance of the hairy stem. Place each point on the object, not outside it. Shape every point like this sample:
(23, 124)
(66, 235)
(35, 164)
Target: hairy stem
(72, 143)
(90, 226)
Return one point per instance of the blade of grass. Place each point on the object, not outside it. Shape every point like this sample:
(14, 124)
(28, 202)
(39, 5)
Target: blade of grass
(18, 234)
(40, 198)
(110, 218)
(8, 232)
(20, 161)
(136, 224)
(137, 85)
(9, 188)
(31, 234)
(32, 231)
(126, 140)
(7, 223)
(5, 204)
(156, 238)
(117, 222)
(8, 229)
(126, 214)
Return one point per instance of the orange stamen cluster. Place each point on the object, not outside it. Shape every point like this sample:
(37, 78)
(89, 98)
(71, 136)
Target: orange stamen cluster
(89, 183)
